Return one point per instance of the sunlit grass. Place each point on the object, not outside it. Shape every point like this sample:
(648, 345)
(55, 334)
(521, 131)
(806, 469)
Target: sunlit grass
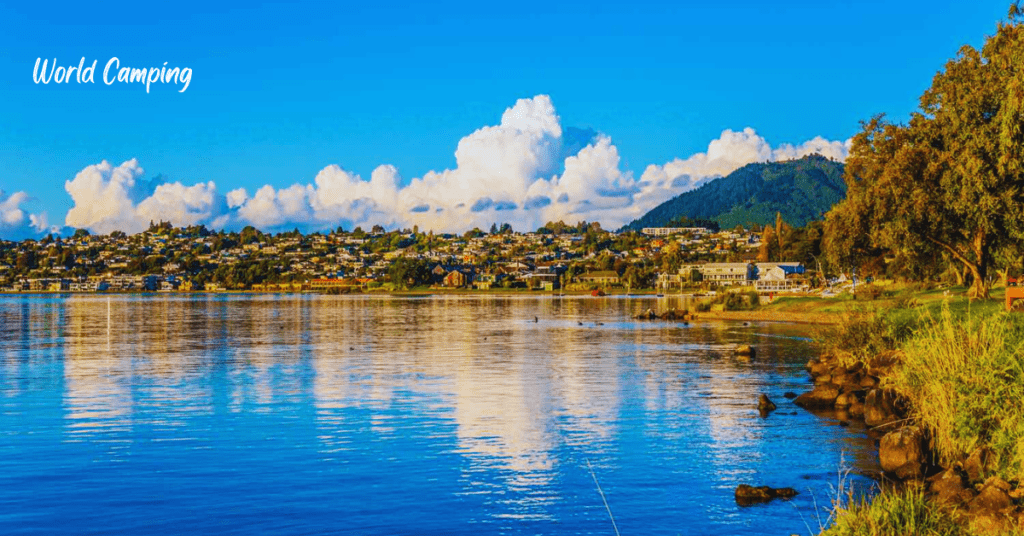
(896, 513)
(964, 376)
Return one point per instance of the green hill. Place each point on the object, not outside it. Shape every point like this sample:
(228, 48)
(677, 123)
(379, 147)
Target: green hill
(802, 190)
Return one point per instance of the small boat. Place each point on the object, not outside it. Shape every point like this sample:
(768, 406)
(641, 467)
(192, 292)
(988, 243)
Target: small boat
(596, 293)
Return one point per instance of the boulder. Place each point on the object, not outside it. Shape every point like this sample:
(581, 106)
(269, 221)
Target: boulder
(789, 395)
(991, 499)
(902, 453)
(856, 410)
(748, 495)
(823, 396)
(647, 315)
(845, 400)
(948, 486)
(881, 407)
(746, 350)
(979, 464)
(765, 404)
(816, 368)
(868, 382)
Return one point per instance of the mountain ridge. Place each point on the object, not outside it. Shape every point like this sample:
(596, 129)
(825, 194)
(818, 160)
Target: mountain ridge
(802, 190)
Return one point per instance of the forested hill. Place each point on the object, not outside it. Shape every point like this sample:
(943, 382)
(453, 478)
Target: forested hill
(802, 190)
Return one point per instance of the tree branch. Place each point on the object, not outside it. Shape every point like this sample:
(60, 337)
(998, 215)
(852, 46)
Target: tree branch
(959, 256)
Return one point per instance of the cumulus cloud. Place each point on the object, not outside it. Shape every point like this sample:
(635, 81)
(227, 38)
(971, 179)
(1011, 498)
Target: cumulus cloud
(526, 170)
(108, 198)
(15, 222)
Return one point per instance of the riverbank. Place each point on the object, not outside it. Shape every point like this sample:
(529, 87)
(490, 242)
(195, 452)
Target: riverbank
(944, 392)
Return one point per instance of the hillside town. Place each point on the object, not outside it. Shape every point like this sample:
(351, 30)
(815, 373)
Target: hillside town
(557, 257)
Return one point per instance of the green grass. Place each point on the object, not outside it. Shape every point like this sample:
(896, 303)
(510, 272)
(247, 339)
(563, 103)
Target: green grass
(896, 513)
(964, 376)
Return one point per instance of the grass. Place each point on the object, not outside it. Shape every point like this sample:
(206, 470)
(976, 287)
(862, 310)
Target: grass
(896, 513)
(964, 377)
(961, 366)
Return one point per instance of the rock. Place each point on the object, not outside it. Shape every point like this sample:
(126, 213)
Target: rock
(845, 400)
(746, 350)
(824, 378)
(789, 395)
(979, 464)
(868, 382)
(843, 424)
(748, 495)
(765, 404)
(856, 410)
(816, 368)
(991, 499)
(823, 396)
(647, 315)
(881, 407)
(902, 453)
(948, 486)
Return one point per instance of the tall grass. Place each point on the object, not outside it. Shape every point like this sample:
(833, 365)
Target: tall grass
(860, 338)
(964, 377)
(896, 513)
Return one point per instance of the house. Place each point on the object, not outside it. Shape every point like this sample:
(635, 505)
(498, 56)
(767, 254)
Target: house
(455, 279)
(488, 281)
(324, 284)
(604, 277)
(665, 231)
(728, 273)
(780, 277)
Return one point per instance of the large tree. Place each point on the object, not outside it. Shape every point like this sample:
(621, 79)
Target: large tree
(951, 180)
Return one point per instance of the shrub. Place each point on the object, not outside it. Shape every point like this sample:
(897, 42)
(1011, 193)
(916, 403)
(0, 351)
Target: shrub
(859, 338)
(869, 292)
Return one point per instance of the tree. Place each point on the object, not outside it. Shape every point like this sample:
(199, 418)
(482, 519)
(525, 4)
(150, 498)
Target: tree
(952, 180)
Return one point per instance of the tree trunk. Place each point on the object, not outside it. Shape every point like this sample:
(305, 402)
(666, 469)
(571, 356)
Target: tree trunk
(979, 269)
(979, 285)
(959, 273)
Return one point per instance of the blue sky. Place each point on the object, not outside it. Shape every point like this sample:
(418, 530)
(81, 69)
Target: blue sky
(281, 90)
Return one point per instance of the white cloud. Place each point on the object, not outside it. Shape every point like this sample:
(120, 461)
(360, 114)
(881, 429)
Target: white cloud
(15, 223)
(108, 198)
(526, 170)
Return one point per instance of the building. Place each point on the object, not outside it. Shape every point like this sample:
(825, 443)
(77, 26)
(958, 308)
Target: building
(324, 284)
(728, 273)
(606, 277)
(665, 231)
(780, 277)
(456, 279)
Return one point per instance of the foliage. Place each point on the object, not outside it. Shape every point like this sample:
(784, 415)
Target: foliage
(952, 180)
(965, 380)
(862, 337)
(801, 190)
(734, 300)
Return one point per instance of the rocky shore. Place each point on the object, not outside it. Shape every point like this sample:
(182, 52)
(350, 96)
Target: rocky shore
(857, 391)
(757, 315)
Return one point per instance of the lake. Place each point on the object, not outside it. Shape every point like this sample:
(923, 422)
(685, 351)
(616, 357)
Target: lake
(301, 414)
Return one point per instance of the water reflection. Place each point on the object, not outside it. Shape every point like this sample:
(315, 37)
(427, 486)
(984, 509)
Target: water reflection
(463, 409)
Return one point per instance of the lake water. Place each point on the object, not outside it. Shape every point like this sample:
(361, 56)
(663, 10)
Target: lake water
(214, 414)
